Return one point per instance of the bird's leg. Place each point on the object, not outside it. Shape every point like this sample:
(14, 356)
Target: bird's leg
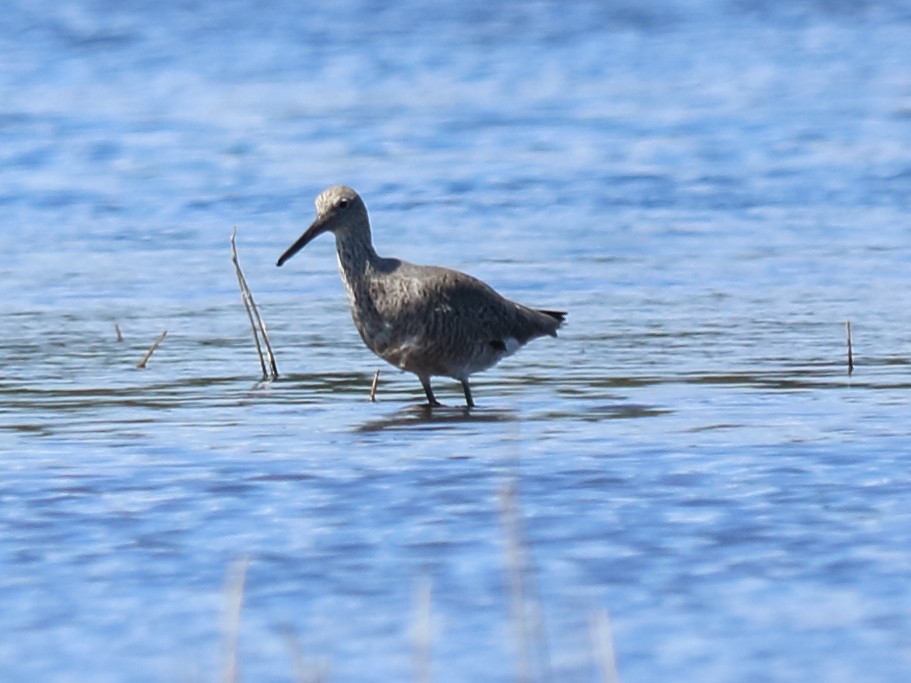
(431, 401)
(467, 390)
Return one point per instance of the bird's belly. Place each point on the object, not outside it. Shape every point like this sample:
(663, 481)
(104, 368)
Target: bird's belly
(424, 350)
(404, 352)
(437, 357)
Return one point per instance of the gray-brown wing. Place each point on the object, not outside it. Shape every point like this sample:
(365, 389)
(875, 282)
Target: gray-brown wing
(443, 303)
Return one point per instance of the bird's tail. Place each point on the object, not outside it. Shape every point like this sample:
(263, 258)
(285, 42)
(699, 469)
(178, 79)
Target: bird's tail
(559, 316)
(550, 321)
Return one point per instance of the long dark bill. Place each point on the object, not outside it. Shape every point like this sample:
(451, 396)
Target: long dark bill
(317, 228)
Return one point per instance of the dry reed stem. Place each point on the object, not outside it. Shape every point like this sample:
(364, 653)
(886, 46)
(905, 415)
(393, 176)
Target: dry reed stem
(531, 641)
(603, 646)
(155, 345)
(850, 349)
(422, 632)
(270, 368)
(376, 379)
(119, 333)
(234, 601)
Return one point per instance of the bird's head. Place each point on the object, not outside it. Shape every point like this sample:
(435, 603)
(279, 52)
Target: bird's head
(339, 210)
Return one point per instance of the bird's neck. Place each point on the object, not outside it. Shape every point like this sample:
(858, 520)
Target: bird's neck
(356, 255)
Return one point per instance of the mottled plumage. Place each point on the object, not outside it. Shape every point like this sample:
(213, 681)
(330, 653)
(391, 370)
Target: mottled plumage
(427, 320)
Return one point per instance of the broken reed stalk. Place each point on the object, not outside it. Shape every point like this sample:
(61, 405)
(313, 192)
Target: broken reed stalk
(603, 646)
(531, 640)
(850, 349)
(234, 601)
(155, 345)
(376, 379)
(263, 347)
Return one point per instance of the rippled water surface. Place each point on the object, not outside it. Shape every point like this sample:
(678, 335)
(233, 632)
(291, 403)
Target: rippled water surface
(710, 189)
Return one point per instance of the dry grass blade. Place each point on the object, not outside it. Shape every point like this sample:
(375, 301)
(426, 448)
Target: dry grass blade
(234, 600)
(850, 349)
(603, 645)
(304, 671)
(260, 336)
(528, 621)
(155, 345)
(422, 633)
(376, 379)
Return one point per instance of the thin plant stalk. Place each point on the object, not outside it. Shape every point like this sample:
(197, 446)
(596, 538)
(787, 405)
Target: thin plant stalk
(263, 347)
(373, 385)
(422, 633)
(850, 349)
(603, 646)
(531, 640)
(234, 601)
(152, 348)
(304, 671)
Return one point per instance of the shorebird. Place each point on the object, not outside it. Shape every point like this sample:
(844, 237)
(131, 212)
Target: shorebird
(426, 320)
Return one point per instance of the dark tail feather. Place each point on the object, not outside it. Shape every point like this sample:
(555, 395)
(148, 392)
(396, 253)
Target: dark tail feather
(559, 316)
(535, 323)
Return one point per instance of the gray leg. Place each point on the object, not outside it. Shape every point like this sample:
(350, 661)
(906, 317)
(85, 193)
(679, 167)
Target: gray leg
(467, 390)
(431, 401)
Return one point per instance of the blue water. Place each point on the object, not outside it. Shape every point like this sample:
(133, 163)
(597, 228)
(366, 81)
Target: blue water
(711, 189)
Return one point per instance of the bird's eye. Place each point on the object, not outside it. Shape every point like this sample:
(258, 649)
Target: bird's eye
(343, 204)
